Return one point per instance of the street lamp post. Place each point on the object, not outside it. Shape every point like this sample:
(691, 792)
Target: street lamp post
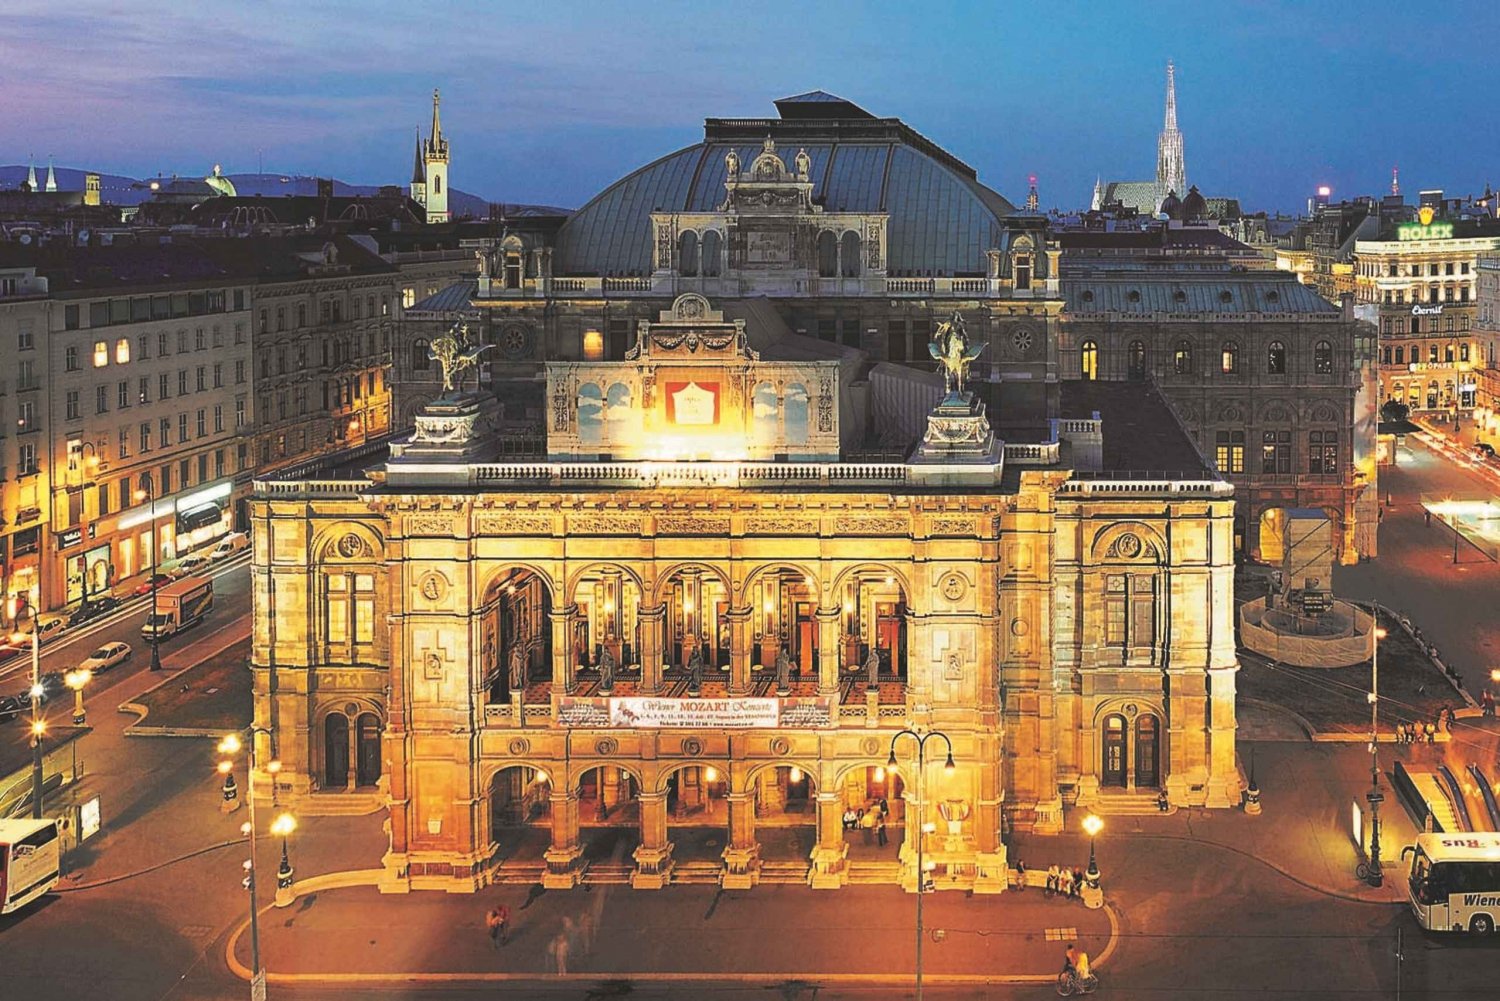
(284, 825)
(1374, 797)
(229, 746)
(38, 724)
(1092, 825)
(921, 740)
(149, 491)
(76, 680)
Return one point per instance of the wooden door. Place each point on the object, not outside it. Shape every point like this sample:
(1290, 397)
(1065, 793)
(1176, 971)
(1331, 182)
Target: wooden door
(1113, 770)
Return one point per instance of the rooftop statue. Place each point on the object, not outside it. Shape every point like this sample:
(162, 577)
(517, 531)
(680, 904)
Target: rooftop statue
(455, 352)
(950, 347)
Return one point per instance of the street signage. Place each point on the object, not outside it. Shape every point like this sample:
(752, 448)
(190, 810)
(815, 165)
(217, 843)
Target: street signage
(68, 538)
(88, 819)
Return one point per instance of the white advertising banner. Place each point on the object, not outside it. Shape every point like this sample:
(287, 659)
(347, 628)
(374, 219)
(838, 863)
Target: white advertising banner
(694, 714)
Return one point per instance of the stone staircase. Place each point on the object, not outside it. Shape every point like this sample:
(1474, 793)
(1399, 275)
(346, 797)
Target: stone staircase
(789, 872)
(697, 873)
(609, 874)
(519, 873)
(874, 873)
(1130, 804)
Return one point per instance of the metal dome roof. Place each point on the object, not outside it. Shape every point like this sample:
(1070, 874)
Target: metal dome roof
(942, 220)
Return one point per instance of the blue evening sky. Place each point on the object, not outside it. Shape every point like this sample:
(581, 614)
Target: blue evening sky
(548, 102)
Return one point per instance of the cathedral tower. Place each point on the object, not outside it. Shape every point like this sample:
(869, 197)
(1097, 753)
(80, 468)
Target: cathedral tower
(435, 160)
(419, 175)
(1171, 171)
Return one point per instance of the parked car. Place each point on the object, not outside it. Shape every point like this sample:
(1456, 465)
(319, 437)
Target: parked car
(12, 650)
(190, 565)
(10, 707)
(106, 657)
(1484, 450)
(95, 607)
(50, 628)
(155, 580)
(232, 543)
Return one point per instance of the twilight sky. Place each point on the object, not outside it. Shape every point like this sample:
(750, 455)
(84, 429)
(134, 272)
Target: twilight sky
(550, 102)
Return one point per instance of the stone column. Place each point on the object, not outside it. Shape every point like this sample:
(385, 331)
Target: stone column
(829, 622)
(653, 858)
(651, 651)
(739, 650)
(1223, 775)
(564, 857)
(562, 649)
(830, 868)
(614, 638)
(742, 854)
(991, 874)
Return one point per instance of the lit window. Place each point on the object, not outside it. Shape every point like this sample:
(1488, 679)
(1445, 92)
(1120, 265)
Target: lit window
(593, 345)
(101, 354)
(122, 351)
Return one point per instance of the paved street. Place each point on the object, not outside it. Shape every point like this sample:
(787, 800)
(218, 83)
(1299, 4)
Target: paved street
(1204, 904)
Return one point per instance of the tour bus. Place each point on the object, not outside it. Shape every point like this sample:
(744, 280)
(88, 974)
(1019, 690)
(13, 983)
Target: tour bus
(30, 855)
(1455, 881)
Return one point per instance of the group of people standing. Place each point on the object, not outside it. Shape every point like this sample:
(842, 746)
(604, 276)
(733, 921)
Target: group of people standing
(1060, 880)
(871, 819)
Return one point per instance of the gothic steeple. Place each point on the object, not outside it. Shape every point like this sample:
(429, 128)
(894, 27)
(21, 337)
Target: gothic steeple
(435, 168)
(51, 176)
(31, 173)
(418, 175)
(1171, 170)
(1098, 201)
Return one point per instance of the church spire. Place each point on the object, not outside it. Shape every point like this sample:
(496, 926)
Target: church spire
(437, 146)
(1171, 169)
(31, 172)
(51, 175)
(418, 175)
(1098, 201)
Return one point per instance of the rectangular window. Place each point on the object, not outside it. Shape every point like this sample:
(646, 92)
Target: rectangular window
(122, 394)
(145, 432)
(1322, 452)
(218, 375)
(280, 318)
(70, 358)
(218, 463)
(218, 418)
(166, 479)
(101, 399)
(200, 340)
(182, 342)
(143, 346)
(364, 608)
(26, 375)
(202, 378)
(125, 442)
(145, 390)
(26, 416)
(185, 471)
(182, 426)
(163, 387)
(101, 354)
(26, 467)
(103, 499)
(1276, 452)
(239, 331)
(166, 433)
(241, 457)
(202, 422)
(182, 382)
(70, 317)
(72, 405)
(25, 340)
(161, 345)
(1229, 451)
(202, 467)
(239, 413)
(302, 314)
(338, 608)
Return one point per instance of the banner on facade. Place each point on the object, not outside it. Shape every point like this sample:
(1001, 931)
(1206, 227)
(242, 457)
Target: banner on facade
(696, 714)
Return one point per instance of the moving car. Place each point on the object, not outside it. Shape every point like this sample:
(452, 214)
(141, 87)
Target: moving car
(96, 607)
(1484, 450)
(10, 707)
(52, 685)
(189, 566)
(232, 543)
(155, 580)
(106, 657)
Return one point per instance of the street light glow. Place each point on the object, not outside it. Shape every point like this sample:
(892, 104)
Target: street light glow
(230, 744)
(225, 766)
(283, 825)
(38, 727)
(78, 678)
(1092, 825)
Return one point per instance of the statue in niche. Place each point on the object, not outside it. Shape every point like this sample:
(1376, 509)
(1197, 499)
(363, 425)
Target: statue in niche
(517, 668)
(872, 670)
(732, 164)
(783, 672)
(695, 671)
(804, 164)
(951, 349)
(606, 671)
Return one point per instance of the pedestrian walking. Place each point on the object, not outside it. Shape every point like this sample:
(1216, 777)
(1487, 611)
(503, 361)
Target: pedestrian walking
(880, 830)
(1431, 733)
(498, 922)
(559, 950)
(1487, 704)
(867, 824)
(586, 931)
(1020, 875)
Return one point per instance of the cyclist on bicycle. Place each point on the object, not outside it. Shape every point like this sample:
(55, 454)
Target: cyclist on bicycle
(1070, 959)
(1081, 965)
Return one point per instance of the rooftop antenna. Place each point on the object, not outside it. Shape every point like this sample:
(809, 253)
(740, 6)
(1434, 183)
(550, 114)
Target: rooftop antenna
(1396, 179)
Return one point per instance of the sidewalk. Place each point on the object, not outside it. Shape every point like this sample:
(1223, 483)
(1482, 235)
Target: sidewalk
(770, 934)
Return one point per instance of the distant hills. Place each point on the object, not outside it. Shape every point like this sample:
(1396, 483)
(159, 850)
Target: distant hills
(119, 190)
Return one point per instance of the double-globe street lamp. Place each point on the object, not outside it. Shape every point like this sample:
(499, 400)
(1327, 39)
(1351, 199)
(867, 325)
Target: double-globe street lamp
(29, 604)
(75, 680)
(923, 827)
(282, 826)
(1375, 797)
(148, 492)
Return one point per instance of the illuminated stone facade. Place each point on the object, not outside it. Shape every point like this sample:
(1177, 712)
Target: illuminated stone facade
(679, 648)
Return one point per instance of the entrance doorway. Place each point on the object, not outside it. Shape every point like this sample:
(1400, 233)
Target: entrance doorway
(1113, 770)
(698, 813)
(786, 813)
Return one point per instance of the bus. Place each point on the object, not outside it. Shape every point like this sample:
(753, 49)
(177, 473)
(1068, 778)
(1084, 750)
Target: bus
(1454, 883)
(30, 861)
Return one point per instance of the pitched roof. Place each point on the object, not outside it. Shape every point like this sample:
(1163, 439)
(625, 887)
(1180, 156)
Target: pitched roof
(1274, 292)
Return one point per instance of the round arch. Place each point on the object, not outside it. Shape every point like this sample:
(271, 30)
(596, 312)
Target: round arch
(742, 588)
(667, 769)
(496, 575)
(887, 569)
(665, 575)
(552, 769)
(575, 576)
(1104, 545)
(329, 545)
(809, 769)
(578, 769)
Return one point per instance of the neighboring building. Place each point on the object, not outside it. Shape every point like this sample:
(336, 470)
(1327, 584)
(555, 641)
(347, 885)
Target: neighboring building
(25, 427)
(1320, 249)
(149, 392)
(1420, 276)
(439, 639)
(1487, 338)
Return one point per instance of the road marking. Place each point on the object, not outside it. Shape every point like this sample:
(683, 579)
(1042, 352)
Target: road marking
(1061, 934)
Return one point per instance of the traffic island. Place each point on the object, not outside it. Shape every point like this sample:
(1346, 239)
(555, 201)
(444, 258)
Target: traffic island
(208, 699)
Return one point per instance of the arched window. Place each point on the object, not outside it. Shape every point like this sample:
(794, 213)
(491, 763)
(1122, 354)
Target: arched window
(1400, 355)
(336, 751)
(367, 750)
(1276, 358)
(764, 413)
(1137, 360)
(1229, 358)
(590, 413)
(849, 254)
(796, 414)
(421, 361)
(1323, 358)
(1089, 358)
(437, 184)
(1147, 750)
(828, 255)
(712, 249)
(687, 254)
(1112, 770)
(1182, 358)
(618, 412)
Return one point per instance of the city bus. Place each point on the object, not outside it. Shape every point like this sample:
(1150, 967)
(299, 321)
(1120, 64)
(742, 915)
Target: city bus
(1454, 883)
(30, 857)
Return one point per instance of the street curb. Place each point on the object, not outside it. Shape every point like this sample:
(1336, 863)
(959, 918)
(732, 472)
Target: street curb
(137, 729)
(1310, 731)
(368, 877)
(1305, 884)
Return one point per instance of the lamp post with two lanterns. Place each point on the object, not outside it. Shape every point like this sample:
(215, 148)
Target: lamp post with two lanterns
(282, 826)
(76, 680)
(923, 827)
(148, 492)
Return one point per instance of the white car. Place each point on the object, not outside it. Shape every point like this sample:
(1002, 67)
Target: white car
(232, 543)
(190, 565)
(106, 657)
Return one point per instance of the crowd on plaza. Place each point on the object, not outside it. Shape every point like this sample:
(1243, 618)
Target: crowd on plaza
(870, 819)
